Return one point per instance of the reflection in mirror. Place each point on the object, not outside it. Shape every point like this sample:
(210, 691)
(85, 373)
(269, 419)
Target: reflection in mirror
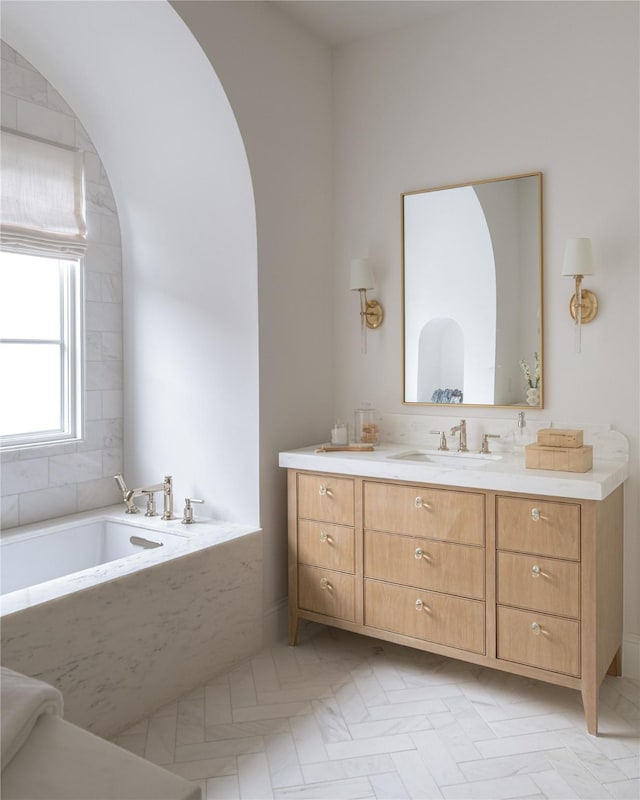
(472, 278)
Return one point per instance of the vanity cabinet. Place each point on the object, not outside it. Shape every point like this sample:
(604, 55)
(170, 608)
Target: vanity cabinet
(526, 584)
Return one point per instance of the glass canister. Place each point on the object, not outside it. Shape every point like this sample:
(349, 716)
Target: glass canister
(366, 425)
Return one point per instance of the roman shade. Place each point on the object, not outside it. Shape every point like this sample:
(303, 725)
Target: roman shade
(42, 206)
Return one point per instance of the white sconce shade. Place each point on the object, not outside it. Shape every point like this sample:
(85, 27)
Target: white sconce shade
(361, 275)
(578, 258)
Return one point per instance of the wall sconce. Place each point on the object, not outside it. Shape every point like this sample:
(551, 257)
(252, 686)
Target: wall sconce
(578, 262)
(371, 312)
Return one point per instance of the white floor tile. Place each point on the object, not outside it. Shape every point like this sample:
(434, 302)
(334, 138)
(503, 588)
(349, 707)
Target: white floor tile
(624, 789)
(254, 778)
(346, 717)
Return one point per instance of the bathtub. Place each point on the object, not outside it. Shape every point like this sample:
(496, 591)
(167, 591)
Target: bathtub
(124, 614)
(45, 552)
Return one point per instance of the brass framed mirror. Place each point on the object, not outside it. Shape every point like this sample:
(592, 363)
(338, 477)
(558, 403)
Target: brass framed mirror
(472, 293)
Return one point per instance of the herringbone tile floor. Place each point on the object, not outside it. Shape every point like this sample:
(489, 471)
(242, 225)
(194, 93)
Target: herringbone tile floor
(344, 716)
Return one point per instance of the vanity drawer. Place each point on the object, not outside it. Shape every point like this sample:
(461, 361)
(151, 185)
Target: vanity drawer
(434, 513)
(538, 640)
(441, 618)
(327, 592)
(541, 584)
(425, 563)
(326, 498)
(538, 526)
(331, 546)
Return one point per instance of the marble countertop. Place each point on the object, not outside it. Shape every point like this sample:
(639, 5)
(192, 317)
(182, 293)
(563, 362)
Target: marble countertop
(506, 472)
(204, 533)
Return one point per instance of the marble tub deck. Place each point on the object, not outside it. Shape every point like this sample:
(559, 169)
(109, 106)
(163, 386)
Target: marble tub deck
(141, 631)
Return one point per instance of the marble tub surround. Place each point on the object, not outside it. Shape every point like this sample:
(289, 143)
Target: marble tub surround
(135, 640)
(507, 473)
(200, 536)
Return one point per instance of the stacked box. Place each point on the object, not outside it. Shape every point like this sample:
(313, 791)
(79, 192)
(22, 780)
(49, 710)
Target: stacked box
(558, 449)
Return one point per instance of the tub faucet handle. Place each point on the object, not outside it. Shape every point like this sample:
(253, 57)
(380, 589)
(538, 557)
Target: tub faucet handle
(188, 511)
(151, 505)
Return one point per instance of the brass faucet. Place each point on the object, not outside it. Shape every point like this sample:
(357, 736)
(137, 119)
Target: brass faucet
(462, 430)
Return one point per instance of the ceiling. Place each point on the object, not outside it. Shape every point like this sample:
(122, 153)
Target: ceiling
(339, 22)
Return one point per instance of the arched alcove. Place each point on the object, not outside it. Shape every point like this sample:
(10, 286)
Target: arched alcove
(161, 121)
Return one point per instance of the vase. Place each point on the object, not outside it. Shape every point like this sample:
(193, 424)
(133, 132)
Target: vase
(533, 397)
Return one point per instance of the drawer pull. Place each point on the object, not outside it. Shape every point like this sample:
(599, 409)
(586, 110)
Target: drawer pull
(535, 627)
(324, 537)
(420, 503)
(419, 553)
(420, 606)
(535, 514)
(324, 490)
(324, 584)
(535, 571)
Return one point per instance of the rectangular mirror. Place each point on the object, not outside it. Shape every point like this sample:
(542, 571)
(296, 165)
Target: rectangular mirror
(472, 293)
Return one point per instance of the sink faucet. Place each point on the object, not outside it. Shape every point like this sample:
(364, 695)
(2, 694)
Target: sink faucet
(128, 495)
(462, 430)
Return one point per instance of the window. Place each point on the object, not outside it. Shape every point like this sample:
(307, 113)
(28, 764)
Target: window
(42, 242)
(40, 352)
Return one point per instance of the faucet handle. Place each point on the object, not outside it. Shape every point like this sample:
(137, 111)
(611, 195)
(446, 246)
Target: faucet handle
(485, 441)
(443, 439)
(151, 505)
(188, 511)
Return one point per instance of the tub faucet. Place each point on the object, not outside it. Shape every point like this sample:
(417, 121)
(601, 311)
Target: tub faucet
(128, 495)
(462, 430)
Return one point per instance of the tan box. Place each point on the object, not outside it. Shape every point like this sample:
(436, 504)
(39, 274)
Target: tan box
(560, 437)
(567, 459)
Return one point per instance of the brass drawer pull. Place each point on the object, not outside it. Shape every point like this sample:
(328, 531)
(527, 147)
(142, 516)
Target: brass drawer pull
(535, 571)
(535, 627)
(324, 584)
(324, 537)
(535, 514)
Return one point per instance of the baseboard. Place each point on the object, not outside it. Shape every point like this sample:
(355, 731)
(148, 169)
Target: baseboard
(631, 656)
(275, 623)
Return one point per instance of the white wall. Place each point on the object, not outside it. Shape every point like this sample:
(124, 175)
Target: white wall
(278, 80)
(171, 146)
(495, 90)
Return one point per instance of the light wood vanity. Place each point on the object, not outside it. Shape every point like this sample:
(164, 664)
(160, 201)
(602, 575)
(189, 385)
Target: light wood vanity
(523, 582)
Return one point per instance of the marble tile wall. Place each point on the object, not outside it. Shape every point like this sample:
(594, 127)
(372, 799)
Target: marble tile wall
(45, 482)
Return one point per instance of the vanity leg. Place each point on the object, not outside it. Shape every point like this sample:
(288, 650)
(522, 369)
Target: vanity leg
(616, 665)
(590, 703)
(293, 628)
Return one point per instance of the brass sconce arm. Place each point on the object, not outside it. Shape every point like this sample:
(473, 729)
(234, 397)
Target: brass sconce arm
(583, 301)
(371, 312)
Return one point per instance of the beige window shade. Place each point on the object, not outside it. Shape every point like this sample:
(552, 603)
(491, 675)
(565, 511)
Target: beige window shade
(42, 207)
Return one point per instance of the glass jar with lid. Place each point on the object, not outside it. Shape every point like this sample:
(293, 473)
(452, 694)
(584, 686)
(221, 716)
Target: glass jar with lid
(366, 425)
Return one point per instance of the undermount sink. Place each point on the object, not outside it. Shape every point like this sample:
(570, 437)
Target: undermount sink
(446, 459)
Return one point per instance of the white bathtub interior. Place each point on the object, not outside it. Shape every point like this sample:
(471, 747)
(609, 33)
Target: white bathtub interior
(39, 555)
